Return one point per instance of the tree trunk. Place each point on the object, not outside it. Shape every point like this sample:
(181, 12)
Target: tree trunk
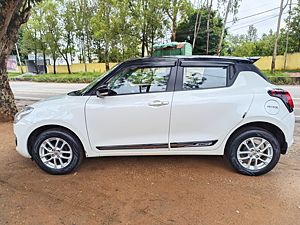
(54, 63)
(7, 103)
(223, 28)
(65, 57)
(89, 49)
(68, 65)
(174, 29)
(197, 27)
(36, 61)
(10, 22)
(106, 55)
(287, 36)
(208, 27)
(276, 39)
(7, 9)
(99, 51)
(152, 41)
(143, 42)
(45, 62)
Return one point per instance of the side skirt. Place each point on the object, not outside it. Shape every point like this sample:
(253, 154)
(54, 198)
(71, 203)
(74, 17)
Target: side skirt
(159, 146)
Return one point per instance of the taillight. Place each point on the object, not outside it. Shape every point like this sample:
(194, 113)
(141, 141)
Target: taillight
(284, 96)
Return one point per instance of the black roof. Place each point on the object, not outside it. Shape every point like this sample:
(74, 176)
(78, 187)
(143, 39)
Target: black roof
(217, 58)
(248, 60)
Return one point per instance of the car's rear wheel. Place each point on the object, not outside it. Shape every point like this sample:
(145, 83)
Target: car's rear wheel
(57, 151)
(253, 151)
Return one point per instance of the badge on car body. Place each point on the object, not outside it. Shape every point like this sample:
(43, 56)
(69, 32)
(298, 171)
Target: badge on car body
(272, 107)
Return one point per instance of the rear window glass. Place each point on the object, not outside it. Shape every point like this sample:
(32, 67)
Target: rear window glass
(204, 77)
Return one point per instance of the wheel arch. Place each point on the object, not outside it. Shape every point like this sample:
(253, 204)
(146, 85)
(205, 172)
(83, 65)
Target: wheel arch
(41, 129)
(273, 129)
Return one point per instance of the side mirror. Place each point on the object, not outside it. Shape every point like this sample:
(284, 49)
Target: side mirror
(102, 91)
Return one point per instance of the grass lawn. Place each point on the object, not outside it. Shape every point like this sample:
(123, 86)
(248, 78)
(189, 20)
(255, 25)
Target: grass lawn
(13, 74)
(279, 73)
(84, 77)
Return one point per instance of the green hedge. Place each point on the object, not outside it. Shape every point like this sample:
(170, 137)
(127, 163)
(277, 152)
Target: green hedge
(285, 80)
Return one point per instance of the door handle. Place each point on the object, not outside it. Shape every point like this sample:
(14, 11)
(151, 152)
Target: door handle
(158, 103)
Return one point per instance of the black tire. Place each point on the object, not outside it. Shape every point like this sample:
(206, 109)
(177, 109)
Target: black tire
(57, 151)
(253, 151)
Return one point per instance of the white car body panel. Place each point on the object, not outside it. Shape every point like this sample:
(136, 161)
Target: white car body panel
(128, 119)
(225, 108)
(65, 111)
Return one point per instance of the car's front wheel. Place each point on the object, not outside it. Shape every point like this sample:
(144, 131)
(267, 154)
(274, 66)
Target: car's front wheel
(57, 151)
(253, 151)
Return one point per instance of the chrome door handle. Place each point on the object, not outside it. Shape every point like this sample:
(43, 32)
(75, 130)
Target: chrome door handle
(158, 103)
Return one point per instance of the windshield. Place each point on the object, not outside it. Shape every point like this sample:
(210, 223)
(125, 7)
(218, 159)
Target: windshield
(91, 85)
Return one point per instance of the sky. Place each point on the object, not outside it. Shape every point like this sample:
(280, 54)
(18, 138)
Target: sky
(263, 22)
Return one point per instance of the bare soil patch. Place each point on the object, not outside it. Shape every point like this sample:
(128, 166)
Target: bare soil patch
(21, 103)
(147, 190)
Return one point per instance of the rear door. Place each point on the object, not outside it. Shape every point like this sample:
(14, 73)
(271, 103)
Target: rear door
(205, 108)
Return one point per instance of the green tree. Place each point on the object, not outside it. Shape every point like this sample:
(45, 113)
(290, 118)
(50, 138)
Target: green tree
(177, 11)
(242, 45)
(231, 7)
(67, 18)
(38, 23)
(294, 30)
(102, 24)
(30, 42)
(186, 32)
(148, 22)
(252, 34)
(85, 10)
(124, 27)
(275, 52)
(53, 29)
(15, 51)
(249, 44)
(39, 32)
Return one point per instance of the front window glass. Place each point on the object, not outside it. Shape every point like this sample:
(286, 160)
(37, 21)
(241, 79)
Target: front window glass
(140, 80)
(204, 77)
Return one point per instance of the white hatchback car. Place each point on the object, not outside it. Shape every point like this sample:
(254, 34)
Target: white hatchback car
(181, 105)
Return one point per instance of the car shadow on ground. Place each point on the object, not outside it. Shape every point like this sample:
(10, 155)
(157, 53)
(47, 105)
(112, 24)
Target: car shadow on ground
(200, 163)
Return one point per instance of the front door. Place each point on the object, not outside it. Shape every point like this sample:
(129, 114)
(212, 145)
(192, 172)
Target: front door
(135, 116)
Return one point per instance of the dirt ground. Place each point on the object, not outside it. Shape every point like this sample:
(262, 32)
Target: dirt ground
(147, 190)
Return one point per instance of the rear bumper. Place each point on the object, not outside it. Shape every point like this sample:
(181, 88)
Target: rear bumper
(288, 126)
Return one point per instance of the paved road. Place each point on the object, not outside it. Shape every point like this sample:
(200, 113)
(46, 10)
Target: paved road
(295, 92)
(38, 91)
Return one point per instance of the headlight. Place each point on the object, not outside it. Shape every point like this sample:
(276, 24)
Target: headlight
(22, 113)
